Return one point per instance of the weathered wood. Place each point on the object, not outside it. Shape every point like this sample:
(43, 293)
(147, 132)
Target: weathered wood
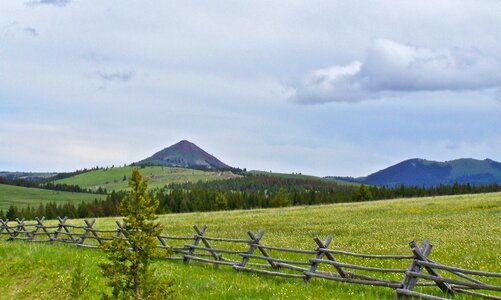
(88, 229)
(253, 246)
(17, 229)
(481, 295)
(291, 267)
(436, 265)
(216, 255)
(40, 225)
(409, 281)
(181, 238)
(286, 261)
(229, 240)
(404, 292)
(456, 281)
(442, 285)
(213, 249)
(240, 268)
(358, 267)
(362, 255)
(191, 251)
(289, 250)
(320, 255)
(218, 262)
(87, 246)
(353, 280)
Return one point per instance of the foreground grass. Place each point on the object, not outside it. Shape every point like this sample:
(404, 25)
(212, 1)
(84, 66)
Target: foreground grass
(23, 196)
(465, 231)
(113, 178)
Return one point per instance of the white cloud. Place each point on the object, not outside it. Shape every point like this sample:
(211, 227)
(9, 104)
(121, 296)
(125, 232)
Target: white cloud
(392, 67)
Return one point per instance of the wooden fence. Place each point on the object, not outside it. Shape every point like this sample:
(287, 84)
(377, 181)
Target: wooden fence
(251, 255)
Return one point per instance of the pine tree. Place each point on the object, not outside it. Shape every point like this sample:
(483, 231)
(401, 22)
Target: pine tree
(128, 269)
(281, 199)
(221, 202)
(362, 193)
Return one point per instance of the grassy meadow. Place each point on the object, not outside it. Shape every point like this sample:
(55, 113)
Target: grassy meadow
(23, 196)
(464, 230)
(113, 178)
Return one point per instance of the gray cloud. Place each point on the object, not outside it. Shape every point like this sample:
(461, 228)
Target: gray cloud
(391, 67)
(115, 76)
(32, 31)
(59, 3)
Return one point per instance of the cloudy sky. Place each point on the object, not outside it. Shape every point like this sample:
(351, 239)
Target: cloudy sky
(318, 87)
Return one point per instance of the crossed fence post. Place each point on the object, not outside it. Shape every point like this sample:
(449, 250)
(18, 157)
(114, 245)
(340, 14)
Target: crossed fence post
(4, 225)
(414, 271)
(19, 228)
(88, 228)
(199, 236)
(255, 244)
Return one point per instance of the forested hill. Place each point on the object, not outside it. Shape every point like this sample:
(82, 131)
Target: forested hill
(427, 173)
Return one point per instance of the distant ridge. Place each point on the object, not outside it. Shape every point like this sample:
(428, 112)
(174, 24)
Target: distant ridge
(185, 154)
(427, 173)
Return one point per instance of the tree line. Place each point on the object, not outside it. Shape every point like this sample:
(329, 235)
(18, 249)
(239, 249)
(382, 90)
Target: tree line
(249, 192)
(49, 185)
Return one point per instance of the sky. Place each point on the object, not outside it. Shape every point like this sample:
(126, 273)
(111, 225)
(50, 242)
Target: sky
(319, 87)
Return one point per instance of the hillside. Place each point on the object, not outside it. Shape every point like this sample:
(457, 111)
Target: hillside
(461, 228)
(302, 176)
(22, 196)
(427, 173)
(113, 178)
(30, 176)
(187, 155)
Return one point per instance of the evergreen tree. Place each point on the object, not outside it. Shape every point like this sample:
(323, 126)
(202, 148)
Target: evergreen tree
(221, 202)
(362, 193)
(128, 269)
(12, 213)
(281, 199)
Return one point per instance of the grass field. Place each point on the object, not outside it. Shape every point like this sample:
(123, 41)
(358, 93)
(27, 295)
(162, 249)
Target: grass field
(112, 178)
(465, 231)
(22, 196)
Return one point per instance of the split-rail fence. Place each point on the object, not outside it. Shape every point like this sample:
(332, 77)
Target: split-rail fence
(319, 262)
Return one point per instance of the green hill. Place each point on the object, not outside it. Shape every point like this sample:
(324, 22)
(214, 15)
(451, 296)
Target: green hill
(22, 196)
(302, 176)
(464, 230)
(113, 178)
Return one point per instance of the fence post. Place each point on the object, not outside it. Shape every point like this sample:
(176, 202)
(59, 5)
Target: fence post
(87, 229)
(256, 239)
(63, 224)
(196, 241)
(59, 228)
(409, 282)
(39, 226)
(15, 231)
(3, 224)
(445, 287)
(322, 250)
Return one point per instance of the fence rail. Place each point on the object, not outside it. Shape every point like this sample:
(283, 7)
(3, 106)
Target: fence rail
(251, 255)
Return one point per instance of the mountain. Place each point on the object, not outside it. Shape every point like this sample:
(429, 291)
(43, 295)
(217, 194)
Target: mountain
(421, 172)
(30, 176)
(185, 154)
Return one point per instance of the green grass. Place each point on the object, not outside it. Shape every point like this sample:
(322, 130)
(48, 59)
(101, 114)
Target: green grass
(112, 178)
(22, 196)
(465, 231)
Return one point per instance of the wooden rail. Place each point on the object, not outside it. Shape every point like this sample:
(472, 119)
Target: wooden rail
(241, 255)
